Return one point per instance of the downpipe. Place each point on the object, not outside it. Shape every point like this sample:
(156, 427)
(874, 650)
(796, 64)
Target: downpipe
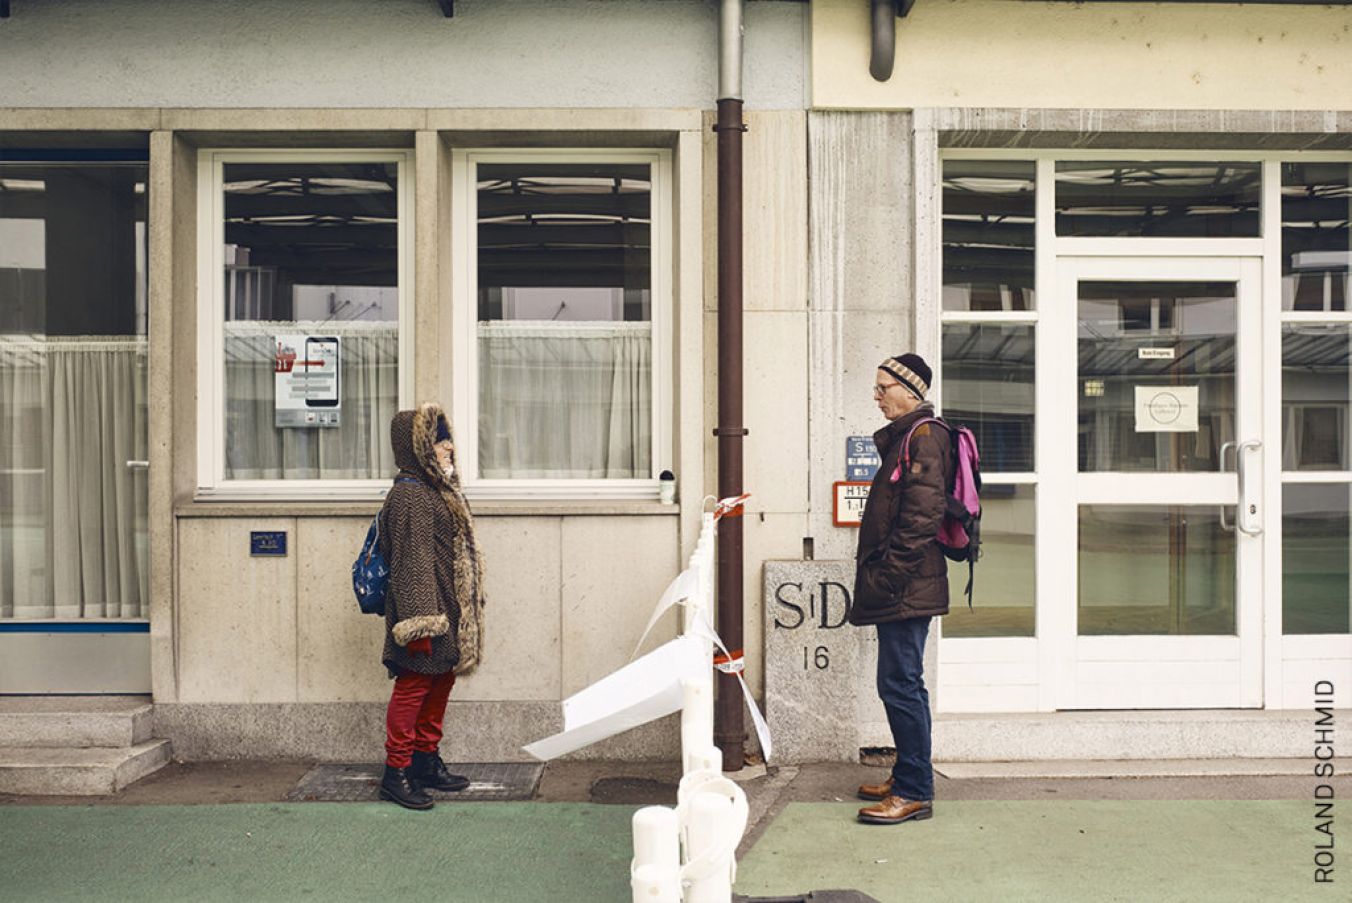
(729, 728)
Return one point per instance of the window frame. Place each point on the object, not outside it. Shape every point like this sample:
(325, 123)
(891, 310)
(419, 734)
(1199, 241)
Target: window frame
(464, 371)
(967, 662)
(211, 481)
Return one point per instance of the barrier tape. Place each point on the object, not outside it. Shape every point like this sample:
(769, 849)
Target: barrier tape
(732, 506)
(678, 590)
(735, 664)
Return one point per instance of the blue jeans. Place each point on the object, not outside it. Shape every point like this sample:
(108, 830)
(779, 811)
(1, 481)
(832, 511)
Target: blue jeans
(901, 685)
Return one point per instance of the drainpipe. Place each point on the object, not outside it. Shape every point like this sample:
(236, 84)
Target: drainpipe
(884, 14)
(729, 733)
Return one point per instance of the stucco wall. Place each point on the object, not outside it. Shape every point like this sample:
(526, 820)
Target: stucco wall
(1016, 53)
(396, 53)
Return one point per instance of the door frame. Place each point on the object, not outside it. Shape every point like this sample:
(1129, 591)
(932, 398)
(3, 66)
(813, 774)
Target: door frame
(1021, 673)
(1125, 661)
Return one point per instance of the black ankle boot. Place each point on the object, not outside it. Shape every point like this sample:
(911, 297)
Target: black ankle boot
(397, 786)
(430, 772)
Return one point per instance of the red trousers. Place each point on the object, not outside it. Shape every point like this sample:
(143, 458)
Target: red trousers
(413, 720)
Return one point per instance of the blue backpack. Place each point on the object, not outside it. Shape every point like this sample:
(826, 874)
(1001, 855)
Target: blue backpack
(371, 572)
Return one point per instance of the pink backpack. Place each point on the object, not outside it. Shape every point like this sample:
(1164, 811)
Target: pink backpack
(960, 530)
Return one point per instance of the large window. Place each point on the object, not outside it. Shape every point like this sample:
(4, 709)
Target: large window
(1316, 387)
(1161, 199)
(987, 379)
(302, 352)
(569, 291)
(73, 411)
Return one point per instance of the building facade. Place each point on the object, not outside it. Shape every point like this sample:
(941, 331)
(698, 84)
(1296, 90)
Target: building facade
(1125, 231)
(1120, 231)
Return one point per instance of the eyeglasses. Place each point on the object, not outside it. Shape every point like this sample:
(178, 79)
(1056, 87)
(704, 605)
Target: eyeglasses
(880, 389)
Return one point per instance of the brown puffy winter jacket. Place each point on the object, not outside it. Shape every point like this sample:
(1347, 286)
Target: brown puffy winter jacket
(900, 570)
(436, 572)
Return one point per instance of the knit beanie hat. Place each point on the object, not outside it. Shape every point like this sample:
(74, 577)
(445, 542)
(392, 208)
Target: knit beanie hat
(443, 432)
(911, 371)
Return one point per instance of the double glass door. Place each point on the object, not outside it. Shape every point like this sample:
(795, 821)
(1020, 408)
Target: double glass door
(1162, 509)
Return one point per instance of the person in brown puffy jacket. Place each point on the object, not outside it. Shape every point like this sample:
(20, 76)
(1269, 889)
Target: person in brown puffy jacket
(433, 606)
(901, 580)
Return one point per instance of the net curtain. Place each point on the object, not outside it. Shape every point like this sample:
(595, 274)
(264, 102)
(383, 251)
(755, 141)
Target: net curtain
(368, 389)
(72, 512)
(565, 400)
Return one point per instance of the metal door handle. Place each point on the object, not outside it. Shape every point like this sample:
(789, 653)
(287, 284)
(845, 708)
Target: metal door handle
(1226, 525)
(1225, 448)
(1247, 510)
(138, 465)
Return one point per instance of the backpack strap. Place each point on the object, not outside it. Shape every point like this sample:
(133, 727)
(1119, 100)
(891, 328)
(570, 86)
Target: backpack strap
(381, 512)
(968, 522)
(904, 458)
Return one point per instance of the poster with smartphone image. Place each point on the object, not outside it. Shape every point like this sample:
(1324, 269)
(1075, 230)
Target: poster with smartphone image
(307, 376)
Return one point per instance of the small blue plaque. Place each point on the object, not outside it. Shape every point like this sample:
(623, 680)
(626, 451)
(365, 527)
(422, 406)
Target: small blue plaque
(861, 458)
(267, 543)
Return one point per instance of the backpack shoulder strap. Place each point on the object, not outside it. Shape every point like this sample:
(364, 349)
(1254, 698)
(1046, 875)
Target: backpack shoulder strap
(381, 513)
(904, 458)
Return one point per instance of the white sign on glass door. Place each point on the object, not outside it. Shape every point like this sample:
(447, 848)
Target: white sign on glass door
(1166, 409)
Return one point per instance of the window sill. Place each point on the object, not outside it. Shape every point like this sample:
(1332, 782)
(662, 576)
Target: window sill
(293, 507)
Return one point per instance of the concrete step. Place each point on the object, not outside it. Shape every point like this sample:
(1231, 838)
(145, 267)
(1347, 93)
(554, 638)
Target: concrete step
(31, 770)
(75, 721)
(1127, 735)
(1119, 768)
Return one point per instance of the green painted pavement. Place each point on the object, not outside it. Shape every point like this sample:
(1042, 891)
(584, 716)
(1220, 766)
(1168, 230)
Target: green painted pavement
(1048, 851)
(479, 852)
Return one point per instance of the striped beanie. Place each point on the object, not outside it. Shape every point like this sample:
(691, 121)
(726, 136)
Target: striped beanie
(911, 371)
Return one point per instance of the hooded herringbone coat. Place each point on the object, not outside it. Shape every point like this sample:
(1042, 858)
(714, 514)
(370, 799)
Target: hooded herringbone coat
(436, 571)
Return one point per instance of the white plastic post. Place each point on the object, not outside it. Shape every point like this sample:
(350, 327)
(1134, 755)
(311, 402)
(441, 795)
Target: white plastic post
(655, 873)
(697, 721)
(708, 759)
(655, 884)
(711, 812)
(656, 837)
(710, 823)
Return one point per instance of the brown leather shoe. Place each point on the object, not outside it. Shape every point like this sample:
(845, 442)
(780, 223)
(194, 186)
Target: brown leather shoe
(876, 791)
(894, 810)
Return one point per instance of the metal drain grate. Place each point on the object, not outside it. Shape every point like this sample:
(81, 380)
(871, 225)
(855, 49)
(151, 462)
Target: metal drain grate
(359, 783)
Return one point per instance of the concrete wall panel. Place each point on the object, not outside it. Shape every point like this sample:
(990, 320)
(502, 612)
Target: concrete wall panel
(775, 389)
(236, 614)
(522, 648)
(862, 288)
(337, 647)
(614, 571)
(774, 212)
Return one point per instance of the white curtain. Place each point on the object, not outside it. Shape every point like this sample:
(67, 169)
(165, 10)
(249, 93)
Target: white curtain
(565, 400)
(72, 513)
(255, 449)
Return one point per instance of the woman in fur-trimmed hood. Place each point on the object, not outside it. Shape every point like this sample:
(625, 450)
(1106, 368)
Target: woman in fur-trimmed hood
(436, 570)
(434, 603)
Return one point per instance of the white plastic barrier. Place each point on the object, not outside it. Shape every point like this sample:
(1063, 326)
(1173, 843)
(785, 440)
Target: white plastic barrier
(685, 855)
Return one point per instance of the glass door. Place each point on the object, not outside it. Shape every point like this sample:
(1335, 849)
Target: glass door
(1163, 504)
(74, 600)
